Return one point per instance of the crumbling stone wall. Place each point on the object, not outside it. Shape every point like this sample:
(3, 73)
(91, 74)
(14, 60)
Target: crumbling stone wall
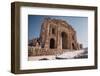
(56, 36)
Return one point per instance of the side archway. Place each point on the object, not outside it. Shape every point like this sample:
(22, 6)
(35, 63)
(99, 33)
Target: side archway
(52, 43)
(73, 46)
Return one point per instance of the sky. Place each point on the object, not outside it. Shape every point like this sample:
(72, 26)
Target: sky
(80, 24)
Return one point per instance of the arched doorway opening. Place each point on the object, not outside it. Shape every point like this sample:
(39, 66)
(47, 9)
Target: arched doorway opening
(73, 46)
(64, 40)
(52, 43)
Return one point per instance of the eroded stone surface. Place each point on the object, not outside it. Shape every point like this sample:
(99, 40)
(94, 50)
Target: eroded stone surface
(56, 35)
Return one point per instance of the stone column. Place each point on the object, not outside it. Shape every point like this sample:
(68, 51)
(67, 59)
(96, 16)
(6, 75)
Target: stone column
(47, 37)
(58, 39)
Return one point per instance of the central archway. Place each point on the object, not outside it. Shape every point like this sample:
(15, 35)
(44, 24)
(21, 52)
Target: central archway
(64, 40)
(52, 43)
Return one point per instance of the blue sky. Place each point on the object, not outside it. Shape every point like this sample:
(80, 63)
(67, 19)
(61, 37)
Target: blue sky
(80, 24)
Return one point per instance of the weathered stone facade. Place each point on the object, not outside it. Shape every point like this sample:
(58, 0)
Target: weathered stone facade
(58, 34)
